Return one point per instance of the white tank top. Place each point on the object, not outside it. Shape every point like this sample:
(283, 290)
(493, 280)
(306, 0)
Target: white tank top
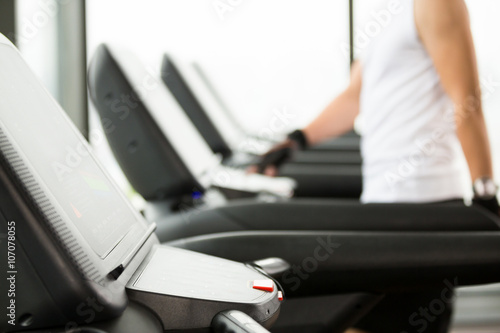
(409, 145)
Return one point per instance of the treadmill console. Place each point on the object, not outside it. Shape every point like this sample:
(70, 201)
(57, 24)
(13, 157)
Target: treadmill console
(67, 212)
(73, 240)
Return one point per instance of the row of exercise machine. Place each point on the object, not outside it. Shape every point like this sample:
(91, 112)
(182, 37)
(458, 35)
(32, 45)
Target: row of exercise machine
(216, 249)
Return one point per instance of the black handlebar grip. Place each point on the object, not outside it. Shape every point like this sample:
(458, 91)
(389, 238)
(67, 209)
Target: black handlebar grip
(232, 321)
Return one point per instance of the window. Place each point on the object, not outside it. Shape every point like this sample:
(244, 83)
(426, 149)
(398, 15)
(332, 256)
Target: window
(485, 24)
(259, 54)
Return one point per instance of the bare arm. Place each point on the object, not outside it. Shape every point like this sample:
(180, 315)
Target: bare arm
(444, 28)
(338, 117)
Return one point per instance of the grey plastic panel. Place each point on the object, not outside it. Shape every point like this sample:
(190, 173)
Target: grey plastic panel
(176, 272)
(187, 289)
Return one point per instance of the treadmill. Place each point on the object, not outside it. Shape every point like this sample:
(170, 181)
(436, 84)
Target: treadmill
(82, 252)
(223, 137)
(155, 122)
(78, 257)
(332, 169)
(170, 162)
(216, 108)
(112, 71)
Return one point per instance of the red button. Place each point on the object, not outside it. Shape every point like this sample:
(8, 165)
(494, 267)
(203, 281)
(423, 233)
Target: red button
(280, 296)
(265, 285)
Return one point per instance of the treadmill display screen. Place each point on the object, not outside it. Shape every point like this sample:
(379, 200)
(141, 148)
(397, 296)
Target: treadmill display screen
(59, 158)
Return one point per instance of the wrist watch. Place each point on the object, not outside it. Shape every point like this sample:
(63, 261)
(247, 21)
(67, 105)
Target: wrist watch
(484, 188)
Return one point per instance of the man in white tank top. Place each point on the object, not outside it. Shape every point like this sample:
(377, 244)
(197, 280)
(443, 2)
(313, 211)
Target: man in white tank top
(418, 93)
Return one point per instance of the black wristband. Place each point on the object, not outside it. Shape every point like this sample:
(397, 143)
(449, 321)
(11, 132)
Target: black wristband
(299, 137)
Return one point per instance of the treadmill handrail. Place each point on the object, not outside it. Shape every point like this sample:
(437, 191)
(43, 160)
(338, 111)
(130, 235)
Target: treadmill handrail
(377, 262)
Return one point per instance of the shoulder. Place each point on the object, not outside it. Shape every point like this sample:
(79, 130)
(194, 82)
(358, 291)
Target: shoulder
(445, 6)
(440, 15)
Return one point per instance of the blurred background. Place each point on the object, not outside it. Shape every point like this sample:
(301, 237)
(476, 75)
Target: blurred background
(260, 56)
